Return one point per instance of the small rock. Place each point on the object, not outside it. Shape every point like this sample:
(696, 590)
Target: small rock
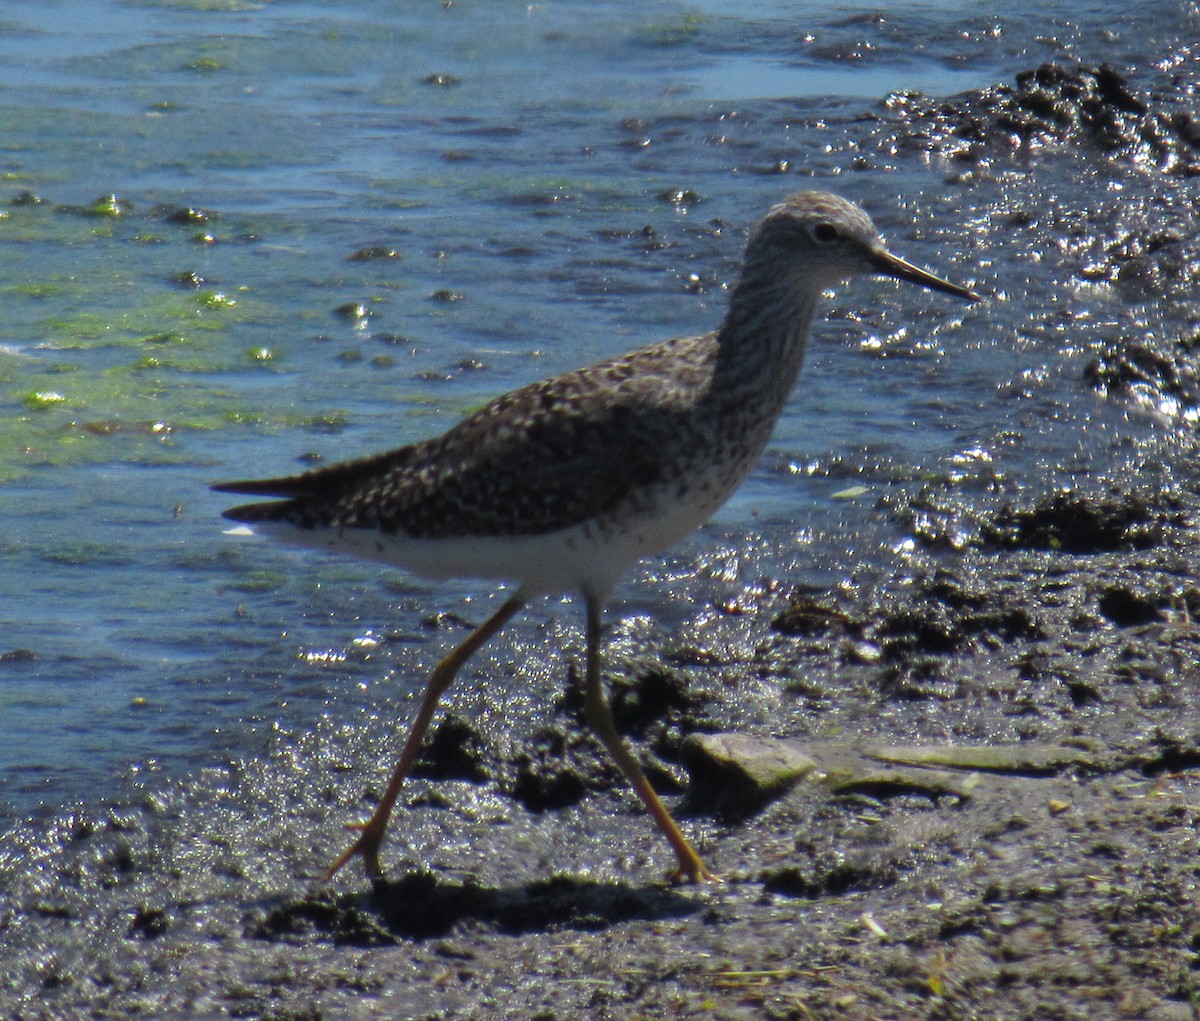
(736, 774)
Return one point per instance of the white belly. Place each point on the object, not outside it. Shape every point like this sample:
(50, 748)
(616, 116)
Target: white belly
(590, 557)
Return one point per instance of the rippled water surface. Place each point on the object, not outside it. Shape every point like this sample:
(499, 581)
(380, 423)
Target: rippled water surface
(235, 237)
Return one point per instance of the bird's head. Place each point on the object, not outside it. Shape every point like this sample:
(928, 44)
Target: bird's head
(815, 239)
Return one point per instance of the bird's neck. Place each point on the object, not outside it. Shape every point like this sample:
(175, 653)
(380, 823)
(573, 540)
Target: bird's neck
(761, 343)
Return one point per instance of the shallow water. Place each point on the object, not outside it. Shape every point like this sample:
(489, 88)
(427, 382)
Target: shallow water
(557, 183)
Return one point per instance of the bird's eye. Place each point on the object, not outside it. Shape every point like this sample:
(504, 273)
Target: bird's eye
(826, 233)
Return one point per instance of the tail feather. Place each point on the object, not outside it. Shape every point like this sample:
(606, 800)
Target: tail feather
(250, 513)
(291, 485)
(319, 485)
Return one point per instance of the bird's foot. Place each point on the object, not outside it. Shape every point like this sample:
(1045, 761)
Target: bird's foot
(693, 871)
(367, 846)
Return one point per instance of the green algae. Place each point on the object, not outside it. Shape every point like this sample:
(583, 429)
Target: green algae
(109, 205)
(104, 360)
(39, 289)
(670, 33)
(39, 399)
(262, 580)
(78, 553)
(152, 315)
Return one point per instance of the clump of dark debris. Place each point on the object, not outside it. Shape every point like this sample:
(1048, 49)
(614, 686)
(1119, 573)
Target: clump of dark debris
(1059, 103)
(1064, 520)
(1067, 521)
(1140, 372)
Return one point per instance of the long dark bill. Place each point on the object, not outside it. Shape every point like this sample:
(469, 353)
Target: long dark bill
(893, 266)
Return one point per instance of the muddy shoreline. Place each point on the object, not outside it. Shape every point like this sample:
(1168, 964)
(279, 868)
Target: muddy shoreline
(1057, 878)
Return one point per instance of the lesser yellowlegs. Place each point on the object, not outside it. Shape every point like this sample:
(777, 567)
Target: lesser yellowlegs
(562, 485)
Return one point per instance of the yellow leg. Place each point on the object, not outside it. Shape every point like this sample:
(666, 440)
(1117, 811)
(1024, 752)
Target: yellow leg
(369, 840)
(599, 718)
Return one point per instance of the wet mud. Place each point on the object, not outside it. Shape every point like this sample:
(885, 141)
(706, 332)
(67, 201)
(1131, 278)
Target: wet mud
(967, 780)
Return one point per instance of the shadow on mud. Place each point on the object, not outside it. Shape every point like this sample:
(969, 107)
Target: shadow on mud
(421, 905)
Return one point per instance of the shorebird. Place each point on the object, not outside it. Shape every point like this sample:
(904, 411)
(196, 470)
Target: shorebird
(562, 485)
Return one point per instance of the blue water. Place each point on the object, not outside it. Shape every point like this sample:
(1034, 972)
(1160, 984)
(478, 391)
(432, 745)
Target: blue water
(134, 636)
